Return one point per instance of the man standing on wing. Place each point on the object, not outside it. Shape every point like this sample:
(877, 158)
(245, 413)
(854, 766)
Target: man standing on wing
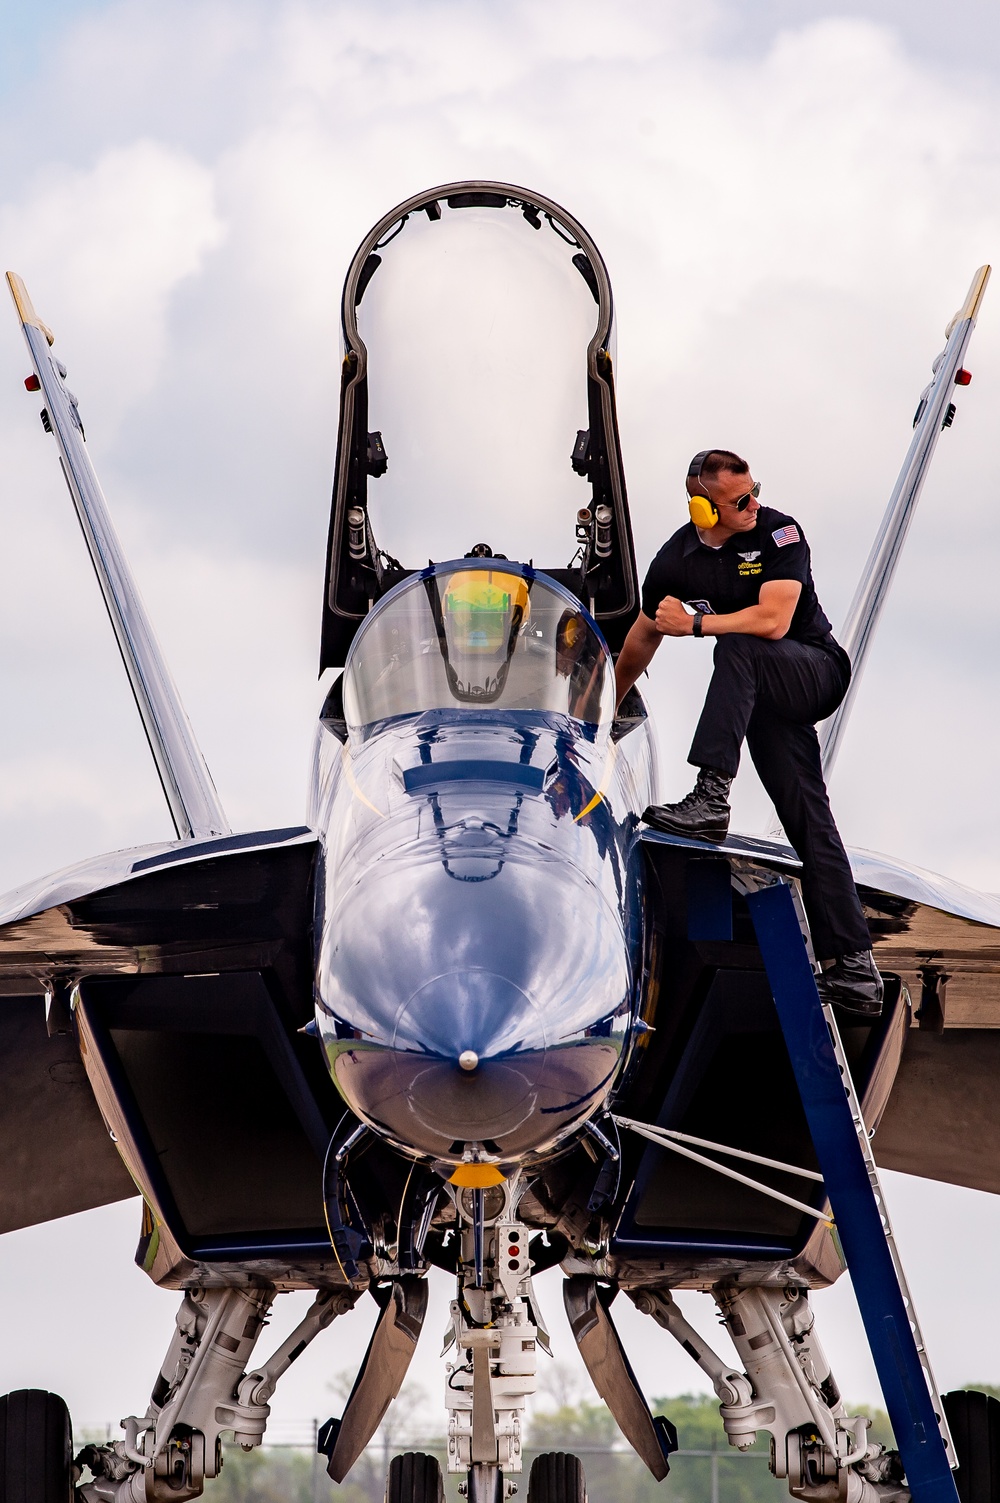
(744, 571)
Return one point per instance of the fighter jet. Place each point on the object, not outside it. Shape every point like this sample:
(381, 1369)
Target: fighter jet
(474, 1015)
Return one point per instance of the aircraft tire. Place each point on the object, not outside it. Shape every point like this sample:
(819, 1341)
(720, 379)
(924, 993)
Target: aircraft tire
(557, 1477)
(974, 1421)
(414, 1478)
(36, 1448)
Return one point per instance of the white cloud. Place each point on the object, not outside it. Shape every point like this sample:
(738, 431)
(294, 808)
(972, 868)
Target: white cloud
(106, 247)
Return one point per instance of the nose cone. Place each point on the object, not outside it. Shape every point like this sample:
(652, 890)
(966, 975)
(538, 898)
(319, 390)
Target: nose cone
(459, 1012)
(461, 1017)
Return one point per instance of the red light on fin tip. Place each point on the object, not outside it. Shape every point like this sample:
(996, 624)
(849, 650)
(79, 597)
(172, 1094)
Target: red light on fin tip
(32, 383)
(962, 377)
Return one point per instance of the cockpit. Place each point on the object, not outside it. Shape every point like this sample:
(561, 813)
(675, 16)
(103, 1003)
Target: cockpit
(478, 633)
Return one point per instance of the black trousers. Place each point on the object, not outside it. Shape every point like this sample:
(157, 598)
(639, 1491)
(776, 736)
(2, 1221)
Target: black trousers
(772, 694)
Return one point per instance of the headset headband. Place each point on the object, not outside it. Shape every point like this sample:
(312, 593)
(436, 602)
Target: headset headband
(697, 464)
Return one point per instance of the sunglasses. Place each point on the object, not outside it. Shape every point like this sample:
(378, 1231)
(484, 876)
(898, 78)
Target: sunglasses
(743, 502)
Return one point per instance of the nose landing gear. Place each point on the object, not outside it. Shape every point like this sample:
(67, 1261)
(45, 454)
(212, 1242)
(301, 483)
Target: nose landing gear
(495, 1329)
(555, 1477)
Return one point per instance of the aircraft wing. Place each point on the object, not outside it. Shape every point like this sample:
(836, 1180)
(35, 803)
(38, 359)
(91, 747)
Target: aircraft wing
(942, 1119)
(711, 1065)
(206, 908)
(943, 1116)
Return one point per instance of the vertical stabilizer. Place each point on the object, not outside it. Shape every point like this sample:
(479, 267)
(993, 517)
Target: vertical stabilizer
(187, 783)
(934, 413)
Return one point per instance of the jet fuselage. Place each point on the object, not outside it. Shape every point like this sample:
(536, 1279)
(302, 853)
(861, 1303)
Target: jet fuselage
(478, 901)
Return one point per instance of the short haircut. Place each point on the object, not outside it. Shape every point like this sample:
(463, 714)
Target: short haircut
(724, 459)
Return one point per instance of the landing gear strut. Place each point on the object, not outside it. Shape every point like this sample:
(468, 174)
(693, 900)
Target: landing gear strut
(496, 1332)
(205, 1386)
(787, 1390)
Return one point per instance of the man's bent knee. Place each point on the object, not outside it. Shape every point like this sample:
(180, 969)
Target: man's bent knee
(737, 647)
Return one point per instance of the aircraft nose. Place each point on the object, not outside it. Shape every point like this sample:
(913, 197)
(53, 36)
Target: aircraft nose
(490, 1012)
(486, 1026)
(469, 1010)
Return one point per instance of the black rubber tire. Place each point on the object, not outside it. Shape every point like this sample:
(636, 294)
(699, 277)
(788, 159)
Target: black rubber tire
(36, 1448)
(974, 1421)
(557, 1477)
(414, 1478)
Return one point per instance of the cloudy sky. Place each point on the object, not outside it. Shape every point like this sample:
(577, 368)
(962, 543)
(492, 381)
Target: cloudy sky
(791, 197)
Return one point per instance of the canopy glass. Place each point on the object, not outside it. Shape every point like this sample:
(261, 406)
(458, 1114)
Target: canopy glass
(482, 633)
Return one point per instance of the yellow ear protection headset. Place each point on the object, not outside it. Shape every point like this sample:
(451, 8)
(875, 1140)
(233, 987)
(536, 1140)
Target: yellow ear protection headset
(703, 513)
(702, 509)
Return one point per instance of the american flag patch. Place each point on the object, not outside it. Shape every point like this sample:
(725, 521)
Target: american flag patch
(786, 535)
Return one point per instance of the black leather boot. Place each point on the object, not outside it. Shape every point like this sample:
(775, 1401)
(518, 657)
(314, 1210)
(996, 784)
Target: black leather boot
(703, 814)
(853, 985)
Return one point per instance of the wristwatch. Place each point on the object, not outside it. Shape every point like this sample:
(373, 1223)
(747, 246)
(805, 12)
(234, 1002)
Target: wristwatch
(699, 616)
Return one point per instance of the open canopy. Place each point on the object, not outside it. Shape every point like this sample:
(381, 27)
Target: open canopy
(477, 404)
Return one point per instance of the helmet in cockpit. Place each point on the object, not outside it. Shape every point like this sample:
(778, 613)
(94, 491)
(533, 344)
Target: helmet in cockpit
(482, 609)
(480, 616)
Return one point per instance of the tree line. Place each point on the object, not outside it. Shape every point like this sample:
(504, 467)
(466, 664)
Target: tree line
(614, 1472)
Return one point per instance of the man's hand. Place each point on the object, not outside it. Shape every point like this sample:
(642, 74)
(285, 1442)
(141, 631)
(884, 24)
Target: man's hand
(770, 617)
(672, 620)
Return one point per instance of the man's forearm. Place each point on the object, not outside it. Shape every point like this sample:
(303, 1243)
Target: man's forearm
(636, 655)
(770, 617)
(754, 621)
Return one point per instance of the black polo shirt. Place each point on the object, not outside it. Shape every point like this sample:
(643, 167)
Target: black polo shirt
(719, 581)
